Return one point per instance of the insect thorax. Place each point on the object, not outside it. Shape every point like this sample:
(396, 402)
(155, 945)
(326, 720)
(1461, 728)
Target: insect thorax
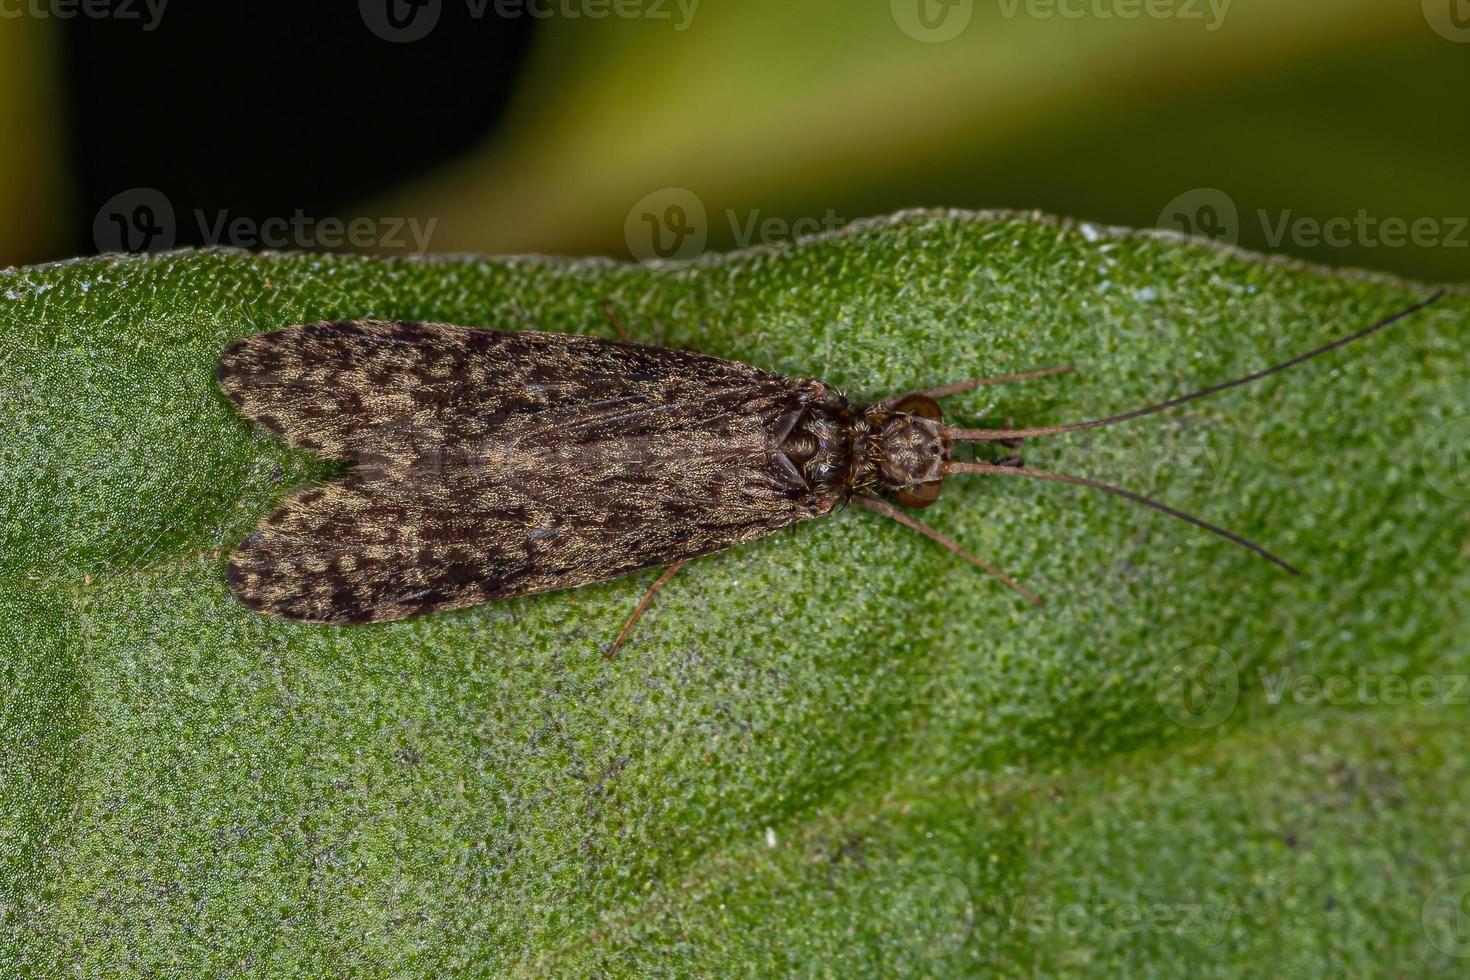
(834, 450)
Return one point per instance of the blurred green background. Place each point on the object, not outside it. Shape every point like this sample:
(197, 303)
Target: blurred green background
(1329, 129)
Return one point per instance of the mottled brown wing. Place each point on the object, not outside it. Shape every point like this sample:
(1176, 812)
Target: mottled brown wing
(399, 395)
(606, 466)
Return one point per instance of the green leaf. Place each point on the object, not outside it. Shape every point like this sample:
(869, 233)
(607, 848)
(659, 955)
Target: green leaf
(836, 750)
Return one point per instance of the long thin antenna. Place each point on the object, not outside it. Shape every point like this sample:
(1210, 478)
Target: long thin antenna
(959, 387)
(1082, 481)
(997, 435)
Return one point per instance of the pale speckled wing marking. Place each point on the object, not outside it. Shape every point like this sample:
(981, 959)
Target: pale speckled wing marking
(396, 395)
(619, 459)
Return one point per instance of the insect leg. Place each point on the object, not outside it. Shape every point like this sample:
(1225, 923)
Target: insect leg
(642, 607)
(1011, 444)
(959, 387)
(612, 317)
(880, 506)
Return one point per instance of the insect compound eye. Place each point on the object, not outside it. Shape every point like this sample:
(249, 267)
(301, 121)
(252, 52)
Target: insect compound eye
(920, 496)
(921, 405)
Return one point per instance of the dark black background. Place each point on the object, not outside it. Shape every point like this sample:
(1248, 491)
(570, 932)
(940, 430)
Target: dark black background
(269, 106)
